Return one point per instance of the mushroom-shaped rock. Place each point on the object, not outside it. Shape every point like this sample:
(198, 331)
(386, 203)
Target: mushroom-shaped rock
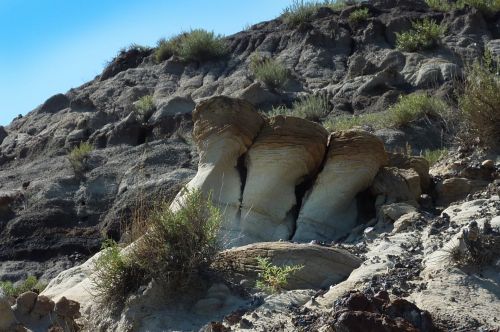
(224, 129)
(287, 151)
(323, 266)
(329, 209)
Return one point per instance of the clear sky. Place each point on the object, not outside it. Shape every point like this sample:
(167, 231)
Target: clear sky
(50, 46)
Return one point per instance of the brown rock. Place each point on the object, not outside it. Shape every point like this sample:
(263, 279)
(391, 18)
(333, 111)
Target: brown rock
(362, 321)
(455, 189)
(67, 308)
(418, 164)
(398, 185)
(25, 302)
(43, 306)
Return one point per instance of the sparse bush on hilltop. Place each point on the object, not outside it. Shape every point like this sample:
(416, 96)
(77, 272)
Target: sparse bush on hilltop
(78, 158)
(176, 248)
(359, 15)
(30, 284)
(272, 278)
(313, 107)
(301, 11)
(485, 6)
(479, 104)
(424, 35)
(407, 109)
(268, 71)
(195, 45)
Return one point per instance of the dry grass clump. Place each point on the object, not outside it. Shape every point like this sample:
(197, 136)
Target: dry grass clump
(177, 248)
(78, 158)
(195, 45)
(269, 71)
(301, 11)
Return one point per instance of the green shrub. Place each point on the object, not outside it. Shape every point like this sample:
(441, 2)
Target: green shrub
(359, 15)
(268, 71)
(195, 45)
(116, 275)
(176, 249)
(433, 156)
(313, 107)
(272, 278)
(301, 11)
(423, 35)
(145, 106)
(78, 158)
(415, 106)
(479, 104)
(485, 6)
(407, 109)
(279, 110)
(30, 284)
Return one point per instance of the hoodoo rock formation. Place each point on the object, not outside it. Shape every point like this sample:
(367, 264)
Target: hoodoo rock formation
(224, 129)
(286, 151)
(329, 210)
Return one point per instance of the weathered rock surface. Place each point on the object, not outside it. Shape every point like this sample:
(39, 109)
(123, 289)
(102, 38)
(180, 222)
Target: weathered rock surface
(329, 210)
(323, 266)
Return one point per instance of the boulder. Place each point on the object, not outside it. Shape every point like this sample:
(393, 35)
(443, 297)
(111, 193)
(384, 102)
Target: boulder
(323, 266)
(3, 134)
(397, 185)
(329, 209)
(7, 318)
(25, 302)
(455, 189)
(368, 321)
(258, 95)
(224, 129)
(171, 106)
(67, 308)
(416, 163)
(286, 151)
(43, 306)
(392, 212)
(54, 104)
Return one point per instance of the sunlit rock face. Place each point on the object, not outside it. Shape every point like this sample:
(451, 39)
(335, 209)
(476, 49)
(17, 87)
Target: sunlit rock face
(224, 129)
(286, 151)
(329, 209)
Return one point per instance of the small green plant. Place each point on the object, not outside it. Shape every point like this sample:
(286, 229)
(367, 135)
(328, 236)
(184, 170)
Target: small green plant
(78, 158)
(359, 15)
(272, 278)
(479, 103)
(268, 71)
(30, 284)
(313, 107)
(485, 6)
(195, 45)
(145, 106)
(279, 110)
(433, 156)
(424, 35)
(440, 5)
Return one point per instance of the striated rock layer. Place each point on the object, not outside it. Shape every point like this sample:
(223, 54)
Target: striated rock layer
(224, 129)
(287, 150)
(329, 209)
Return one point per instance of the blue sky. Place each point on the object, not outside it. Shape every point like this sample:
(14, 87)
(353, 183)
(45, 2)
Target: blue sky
(50, 46)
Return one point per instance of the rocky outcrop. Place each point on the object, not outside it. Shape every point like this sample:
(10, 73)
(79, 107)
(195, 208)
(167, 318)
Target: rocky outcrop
(322, 266)
(286, 151)
(329, 210)
(224, 130)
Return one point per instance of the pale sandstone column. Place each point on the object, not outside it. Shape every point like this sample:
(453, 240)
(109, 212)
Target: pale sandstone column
(287, 150)
(224, 128)
(329, 209)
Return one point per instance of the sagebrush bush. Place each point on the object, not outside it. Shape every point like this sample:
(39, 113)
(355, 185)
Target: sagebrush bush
(145, 106)
(312, 107)
(479, 104)
(272, 278)
(359, 15)
(301, 11)
(176, 249)
(433, 156)
(30, 284)
(78, 158)
(424, 35)
(409, 108)
(269, 71)
(195, 45)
